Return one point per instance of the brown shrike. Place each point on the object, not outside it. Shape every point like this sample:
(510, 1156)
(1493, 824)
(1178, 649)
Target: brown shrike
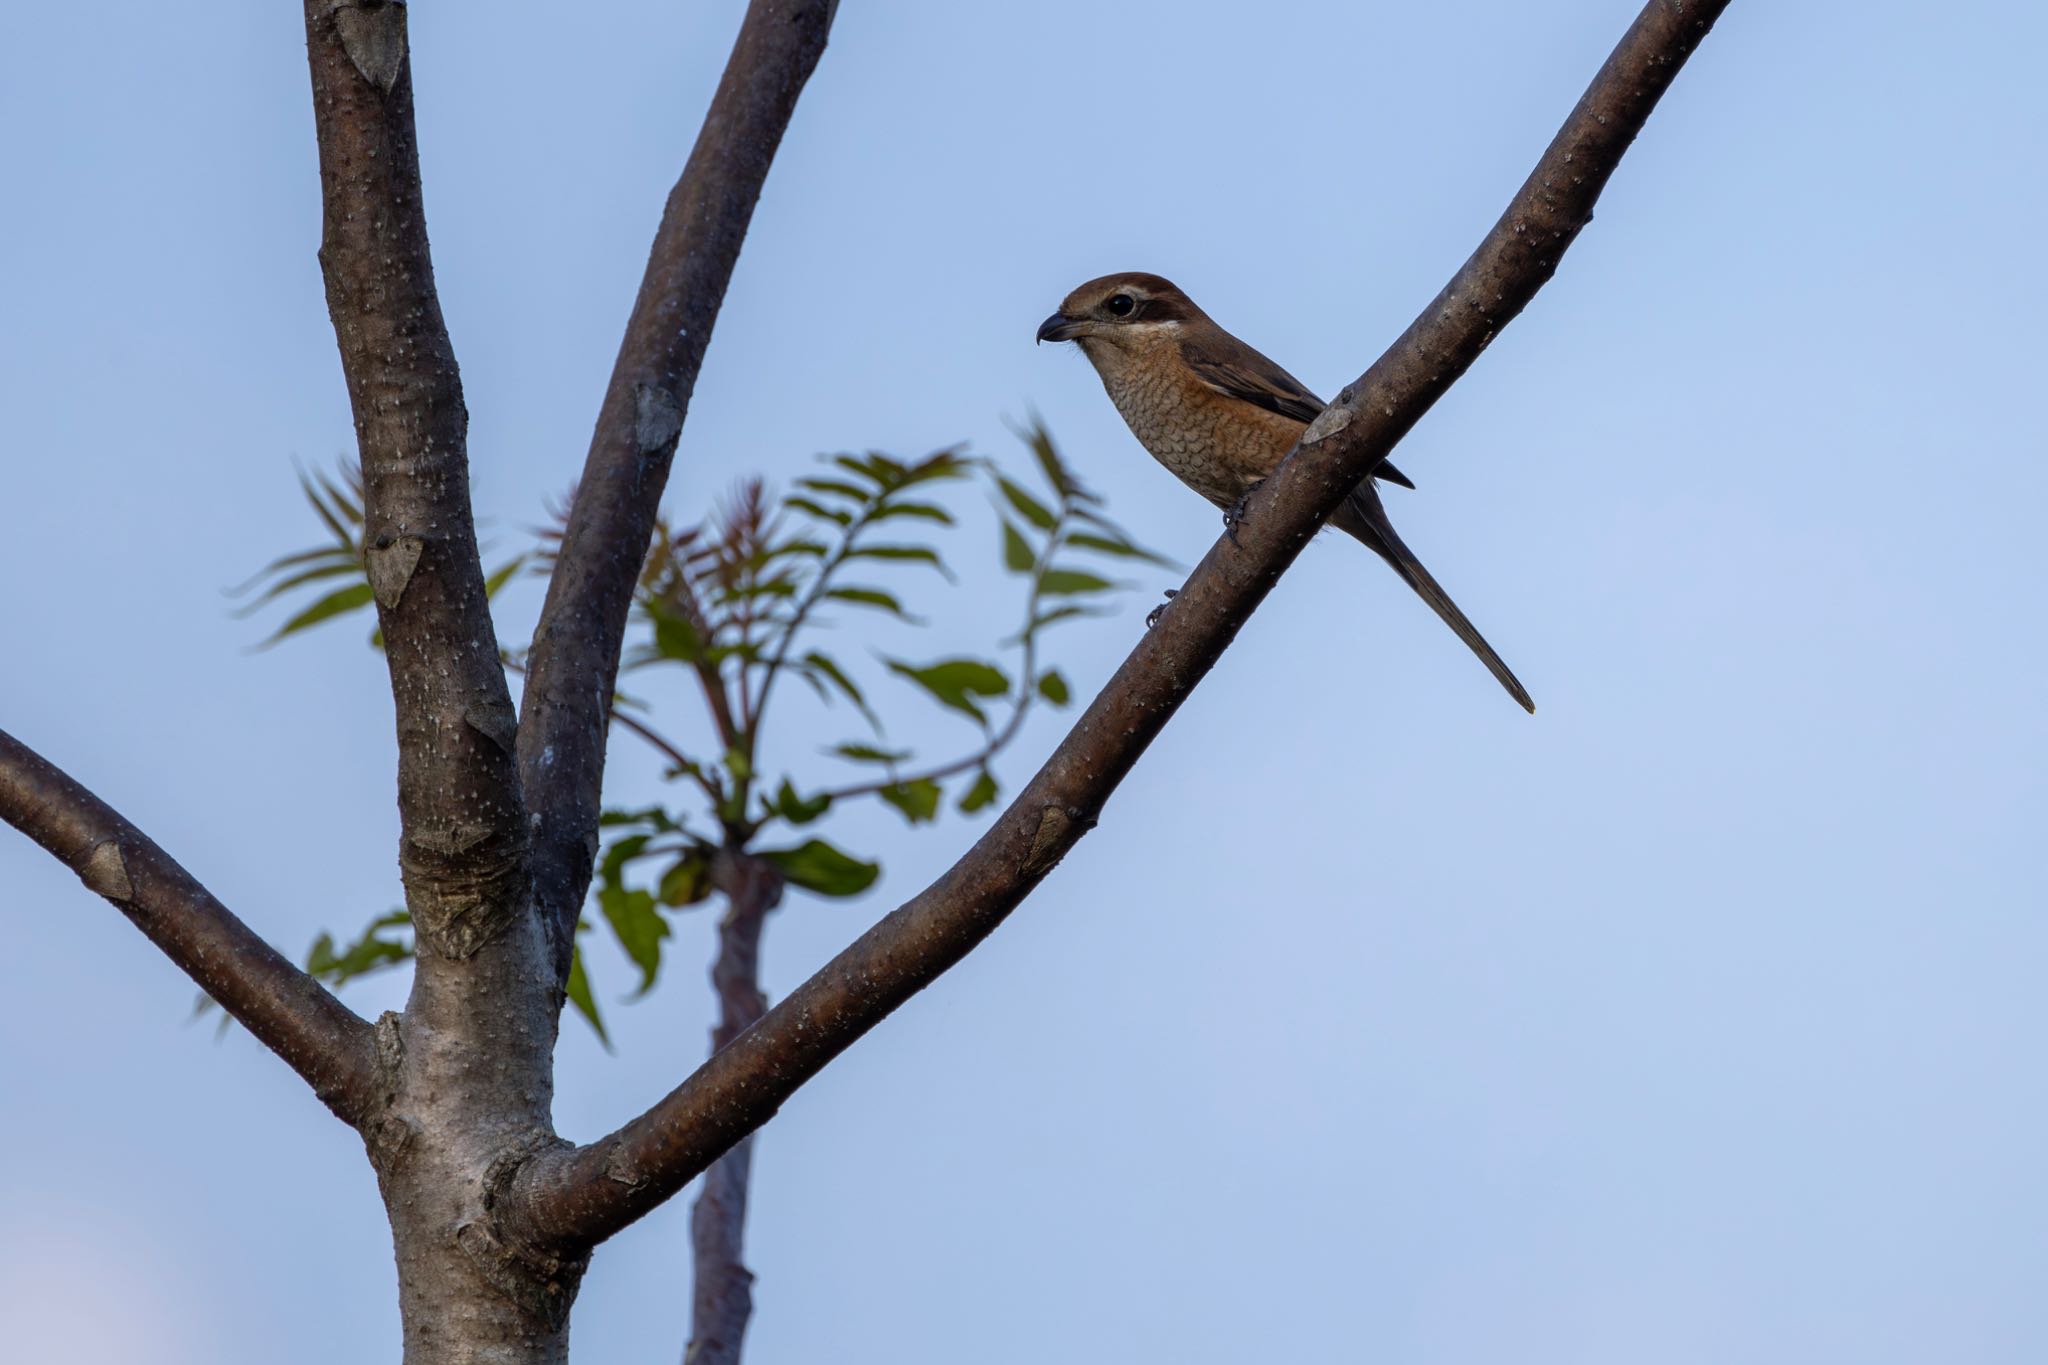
(1221, 417)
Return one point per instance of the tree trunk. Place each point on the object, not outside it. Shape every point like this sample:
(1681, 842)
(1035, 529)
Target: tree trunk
(723, 1297)
(469, 1095)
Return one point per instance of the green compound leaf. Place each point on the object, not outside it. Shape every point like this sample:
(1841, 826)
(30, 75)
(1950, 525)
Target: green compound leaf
(1028, 507)
(687, 881)
(1068, 582)
(868, 753)
(796, 809)
(1018, 556)
(955, 683)
(919, 800)
(817, 866)
(341, 601)
(981, 794)
(873, 597)
(577, 988)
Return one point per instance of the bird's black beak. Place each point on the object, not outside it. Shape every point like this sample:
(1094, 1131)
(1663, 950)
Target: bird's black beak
(1058, 327)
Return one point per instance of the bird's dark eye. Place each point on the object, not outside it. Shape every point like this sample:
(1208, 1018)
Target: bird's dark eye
(1121, 305)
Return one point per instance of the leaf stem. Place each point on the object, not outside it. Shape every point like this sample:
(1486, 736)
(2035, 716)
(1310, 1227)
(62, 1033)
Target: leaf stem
(1026, 688)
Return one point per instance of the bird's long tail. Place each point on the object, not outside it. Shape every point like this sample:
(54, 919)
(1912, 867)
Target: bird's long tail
(1361, 515)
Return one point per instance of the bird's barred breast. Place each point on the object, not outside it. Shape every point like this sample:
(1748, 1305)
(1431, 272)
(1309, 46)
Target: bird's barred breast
(1215, 445)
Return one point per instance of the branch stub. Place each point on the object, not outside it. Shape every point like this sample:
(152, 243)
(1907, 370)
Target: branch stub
(373, 34)
(657, 417)
(390, 563)
(106, 871)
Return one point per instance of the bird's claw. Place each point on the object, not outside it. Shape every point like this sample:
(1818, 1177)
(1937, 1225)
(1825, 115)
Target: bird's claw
(1233, 515)
(1152, 616)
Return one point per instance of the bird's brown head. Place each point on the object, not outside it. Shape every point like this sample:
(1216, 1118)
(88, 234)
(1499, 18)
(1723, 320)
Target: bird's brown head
(1127, 310)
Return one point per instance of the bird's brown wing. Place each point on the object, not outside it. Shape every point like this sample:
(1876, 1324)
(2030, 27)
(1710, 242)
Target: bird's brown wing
(1242, 373)
(1239, 372)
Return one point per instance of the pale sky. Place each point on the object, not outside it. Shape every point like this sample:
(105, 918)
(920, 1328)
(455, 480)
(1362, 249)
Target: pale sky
(1697, 1018)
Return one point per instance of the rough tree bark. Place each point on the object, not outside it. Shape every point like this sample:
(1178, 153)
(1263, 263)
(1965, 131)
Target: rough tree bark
(574, 662)
(494, 1217)
(465, 1073)
(575, 658)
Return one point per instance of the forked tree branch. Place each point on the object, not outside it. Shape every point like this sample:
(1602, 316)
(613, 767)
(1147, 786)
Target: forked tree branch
(463, 843)
(575, 658)
(583, 1195)
(318, 1036)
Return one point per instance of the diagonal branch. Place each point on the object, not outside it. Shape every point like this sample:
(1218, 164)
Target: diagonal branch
(583, 1195)
(291, 1013)
(575, 657)
(463, 845)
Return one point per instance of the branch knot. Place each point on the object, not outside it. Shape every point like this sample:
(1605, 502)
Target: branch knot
(106, 871)
(389, 564)
(541, 1281)
(373, 34)
(657, 418)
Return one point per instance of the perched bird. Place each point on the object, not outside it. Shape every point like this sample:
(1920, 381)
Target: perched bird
(1220, 417)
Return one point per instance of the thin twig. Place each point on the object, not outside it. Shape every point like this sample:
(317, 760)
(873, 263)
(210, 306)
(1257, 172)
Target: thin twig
(654, 739)
(1027, 673)
(848, 535)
